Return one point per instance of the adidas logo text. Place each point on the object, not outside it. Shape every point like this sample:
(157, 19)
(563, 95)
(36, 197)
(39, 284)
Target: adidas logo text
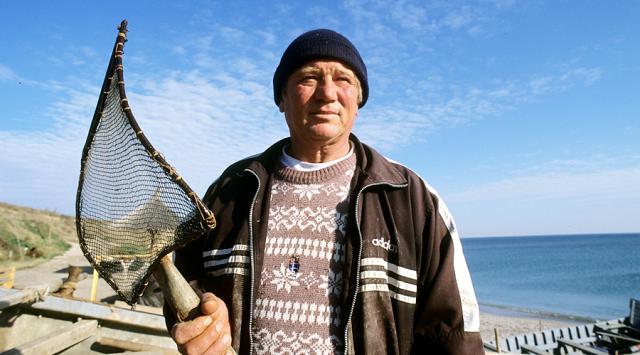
(385, 244)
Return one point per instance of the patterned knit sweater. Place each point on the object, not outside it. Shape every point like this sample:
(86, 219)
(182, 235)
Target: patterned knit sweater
(296, 308)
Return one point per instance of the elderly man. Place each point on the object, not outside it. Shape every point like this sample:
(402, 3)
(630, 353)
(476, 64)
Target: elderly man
(324, 246)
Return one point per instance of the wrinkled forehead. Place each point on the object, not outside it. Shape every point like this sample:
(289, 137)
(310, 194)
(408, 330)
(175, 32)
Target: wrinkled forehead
(326, 66)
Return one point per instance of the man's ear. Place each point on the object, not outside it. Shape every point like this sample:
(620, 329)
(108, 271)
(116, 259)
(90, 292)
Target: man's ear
(281, 105)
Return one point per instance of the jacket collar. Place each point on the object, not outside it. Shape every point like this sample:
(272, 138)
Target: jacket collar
(374, 167)
(265, 163)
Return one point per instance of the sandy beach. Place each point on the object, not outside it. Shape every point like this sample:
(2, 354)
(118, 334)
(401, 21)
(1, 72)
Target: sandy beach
(513, 325)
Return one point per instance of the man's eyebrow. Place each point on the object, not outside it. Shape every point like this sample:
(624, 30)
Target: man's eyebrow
(345, 71)
(309, 70)
(314, 70)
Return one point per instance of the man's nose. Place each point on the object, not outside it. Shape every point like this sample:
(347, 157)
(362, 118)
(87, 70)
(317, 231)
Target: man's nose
(326, 90)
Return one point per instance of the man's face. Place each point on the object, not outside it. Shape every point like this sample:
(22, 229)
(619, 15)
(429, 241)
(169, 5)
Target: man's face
(320, 103)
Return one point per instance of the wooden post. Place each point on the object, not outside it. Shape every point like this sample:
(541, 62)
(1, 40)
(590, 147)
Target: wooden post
(497, 334)
(94, 282)
(71, 283)
(94, 286)
(7, 276)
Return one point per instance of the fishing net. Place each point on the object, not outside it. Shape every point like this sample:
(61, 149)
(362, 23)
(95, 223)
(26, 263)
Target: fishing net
(132, 207)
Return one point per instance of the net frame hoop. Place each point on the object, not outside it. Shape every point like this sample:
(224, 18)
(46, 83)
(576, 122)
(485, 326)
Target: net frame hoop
(207, 218)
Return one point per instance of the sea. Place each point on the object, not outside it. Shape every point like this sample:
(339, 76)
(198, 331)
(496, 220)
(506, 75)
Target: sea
(573, 277)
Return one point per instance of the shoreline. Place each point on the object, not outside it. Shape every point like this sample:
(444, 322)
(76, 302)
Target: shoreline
(521, 312)
(513, 321)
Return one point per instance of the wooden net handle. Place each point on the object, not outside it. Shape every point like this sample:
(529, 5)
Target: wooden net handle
(177, 291)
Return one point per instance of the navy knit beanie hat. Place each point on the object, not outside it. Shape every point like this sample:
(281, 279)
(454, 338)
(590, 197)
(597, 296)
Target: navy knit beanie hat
(319, 44)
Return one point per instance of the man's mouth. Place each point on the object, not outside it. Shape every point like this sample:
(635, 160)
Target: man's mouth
(324, 113)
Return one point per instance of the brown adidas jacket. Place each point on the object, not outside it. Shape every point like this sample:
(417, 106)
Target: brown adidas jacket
(407, 287)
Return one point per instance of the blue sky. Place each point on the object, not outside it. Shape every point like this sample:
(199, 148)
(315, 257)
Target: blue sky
(525, 116)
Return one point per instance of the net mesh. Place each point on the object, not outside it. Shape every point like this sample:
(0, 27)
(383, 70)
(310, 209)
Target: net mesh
(132, 207)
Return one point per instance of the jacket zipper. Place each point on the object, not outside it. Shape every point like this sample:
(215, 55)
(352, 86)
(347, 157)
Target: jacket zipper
(251, 257)
(355, 295)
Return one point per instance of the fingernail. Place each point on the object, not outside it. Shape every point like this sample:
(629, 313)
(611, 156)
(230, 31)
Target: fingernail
(219, 326)
(229, 352)
(208, 321)
(226, 339)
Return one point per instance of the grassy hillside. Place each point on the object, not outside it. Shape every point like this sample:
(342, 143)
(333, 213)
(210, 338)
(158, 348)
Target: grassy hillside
(29, 236)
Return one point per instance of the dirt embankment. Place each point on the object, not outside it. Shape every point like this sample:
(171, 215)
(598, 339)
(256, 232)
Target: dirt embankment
(29, 236)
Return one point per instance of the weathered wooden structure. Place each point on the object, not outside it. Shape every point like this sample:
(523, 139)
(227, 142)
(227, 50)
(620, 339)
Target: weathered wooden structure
(620, 336)
(32, 322)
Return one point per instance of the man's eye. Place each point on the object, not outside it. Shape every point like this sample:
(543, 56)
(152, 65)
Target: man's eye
(308, 79)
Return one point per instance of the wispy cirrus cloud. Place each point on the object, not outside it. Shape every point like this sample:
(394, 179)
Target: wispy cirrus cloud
(201, 123)
(615, 184)
(422, 18)
(420, 113)
(7, 74)
(203, 119)
(600, 162)
(213, 103)
(549, 84)
(597, 194)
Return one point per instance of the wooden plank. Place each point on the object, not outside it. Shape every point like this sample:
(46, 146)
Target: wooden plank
(139, 308)
(57, 341)
(584, 348)
(511, 344)
(549, 337)
(10, 298)
(534, 339)
(490, 346)
(619, 337)
(620, 329)
(134, 346)
(102, 312)
(630, 331)
(530, 349)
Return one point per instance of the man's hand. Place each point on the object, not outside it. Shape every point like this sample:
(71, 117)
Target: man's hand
(207, 334)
